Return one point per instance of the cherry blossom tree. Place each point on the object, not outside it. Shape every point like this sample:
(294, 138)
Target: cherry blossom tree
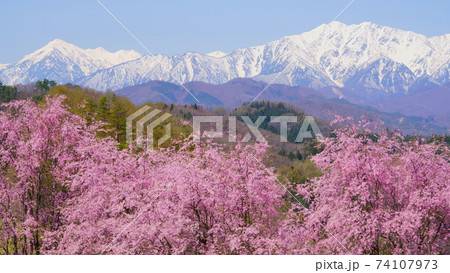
(203, 201)
(38, 152)
(379, 195)
(63, 190)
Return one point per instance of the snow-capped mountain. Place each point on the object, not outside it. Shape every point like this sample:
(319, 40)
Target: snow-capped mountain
(367, 56)
(62, 62)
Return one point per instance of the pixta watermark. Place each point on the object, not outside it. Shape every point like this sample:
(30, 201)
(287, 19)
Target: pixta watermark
(253, 126)
(146, 119)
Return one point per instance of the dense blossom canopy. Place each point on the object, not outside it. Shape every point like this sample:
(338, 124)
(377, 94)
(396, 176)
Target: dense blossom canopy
(379, 195)
(63, 190)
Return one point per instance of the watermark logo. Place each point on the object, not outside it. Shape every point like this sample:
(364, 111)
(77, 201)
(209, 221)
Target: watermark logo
(145, 122)
(253, 126)
(147, 119)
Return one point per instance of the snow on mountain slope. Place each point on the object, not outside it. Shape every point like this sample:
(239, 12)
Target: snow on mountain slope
(63, 62)
(364, 56)
(383, 74)
(340, 50)
(442, 75)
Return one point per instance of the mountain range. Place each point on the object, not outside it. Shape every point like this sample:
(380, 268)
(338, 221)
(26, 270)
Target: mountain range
(377, 59)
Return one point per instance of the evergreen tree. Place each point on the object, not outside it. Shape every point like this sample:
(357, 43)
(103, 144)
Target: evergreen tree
(45, 85)
(7, 93)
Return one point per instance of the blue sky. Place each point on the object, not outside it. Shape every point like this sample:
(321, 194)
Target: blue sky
(171, 27)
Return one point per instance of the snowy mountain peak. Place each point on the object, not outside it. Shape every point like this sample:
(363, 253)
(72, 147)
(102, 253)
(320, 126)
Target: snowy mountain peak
(56, 44)
(59, 43)
(335, 25)
(63, 62)
(217, 54)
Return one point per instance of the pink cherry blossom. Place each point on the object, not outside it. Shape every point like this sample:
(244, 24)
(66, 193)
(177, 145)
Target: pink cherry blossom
(63, 190)
(379, 195)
